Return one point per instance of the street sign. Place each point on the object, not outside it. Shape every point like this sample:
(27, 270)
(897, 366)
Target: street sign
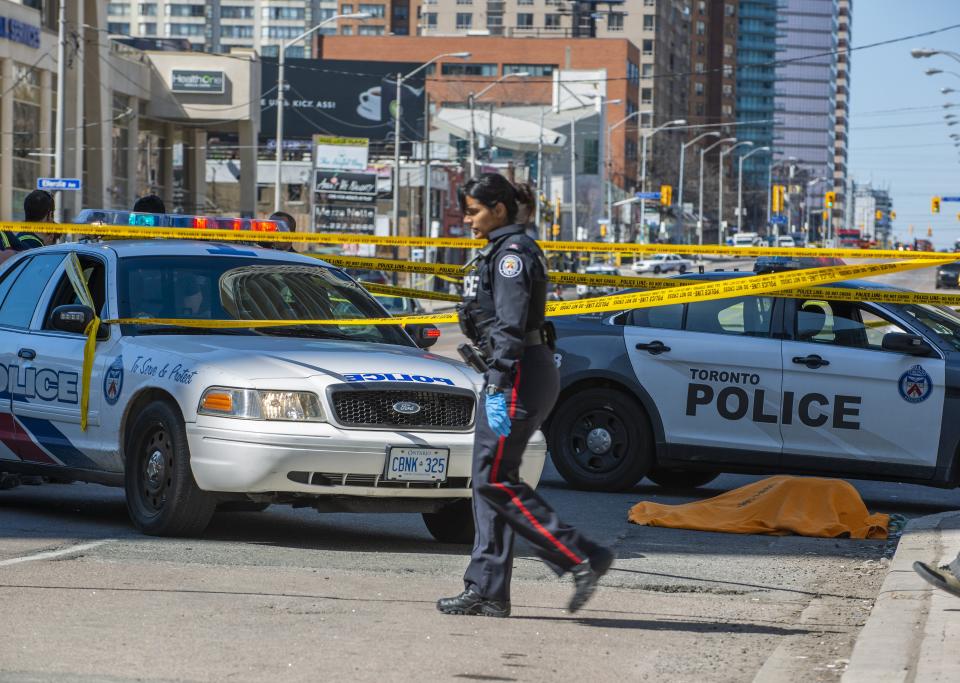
(950, 199)
(648, 195)
(58, 184)
(778, 220)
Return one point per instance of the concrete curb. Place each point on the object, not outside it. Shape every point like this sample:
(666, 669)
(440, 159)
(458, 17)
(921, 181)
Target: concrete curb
(913, 629)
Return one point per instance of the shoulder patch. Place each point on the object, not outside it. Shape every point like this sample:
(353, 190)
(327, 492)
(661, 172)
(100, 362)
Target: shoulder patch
(510, 265)
(515, 246)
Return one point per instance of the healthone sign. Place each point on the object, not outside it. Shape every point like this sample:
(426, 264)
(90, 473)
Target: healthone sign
(204, 82)
(19, 32)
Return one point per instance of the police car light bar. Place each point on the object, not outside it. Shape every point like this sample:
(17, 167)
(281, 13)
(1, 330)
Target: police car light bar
(175, 220)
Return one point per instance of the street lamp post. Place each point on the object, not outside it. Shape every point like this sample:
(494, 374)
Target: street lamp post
(723, 153)
(471, 101)
(773, 165)
(703, 152)
(643, 163)
(740, 183)
(683, 156)
(397, 113)
(924, 52)
(281, 62)
(609, 162)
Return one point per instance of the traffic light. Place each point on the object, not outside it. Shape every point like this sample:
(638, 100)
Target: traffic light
(893, 215)
(935, 205)
(879, 215)
(603, 230)
(829, 199)
(777, 203)
(929, 231)
(666, 195)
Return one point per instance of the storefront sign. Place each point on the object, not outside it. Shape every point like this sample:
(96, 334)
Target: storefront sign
(19, 32)
(347, 154)
(346, 187)
(204, 82)
(345, 217)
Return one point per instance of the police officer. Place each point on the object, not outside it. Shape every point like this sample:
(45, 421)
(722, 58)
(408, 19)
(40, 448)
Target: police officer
(37, 208)
(503, 315)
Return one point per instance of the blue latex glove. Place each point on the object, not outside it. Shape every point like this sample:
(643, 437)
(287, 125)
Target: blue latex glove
(497, 418)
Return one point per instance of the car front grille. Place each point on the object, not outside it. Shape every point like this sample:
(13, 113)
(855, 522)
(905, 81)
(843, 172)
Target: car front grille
(374, 480)
(374, 408)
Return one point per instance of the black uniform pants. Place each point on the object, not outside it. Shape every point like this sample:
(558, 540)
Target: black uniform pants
(502, 504)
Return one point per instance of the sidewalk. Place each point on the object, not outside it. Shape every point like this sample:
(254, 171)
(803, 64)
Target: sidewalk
(913, 632)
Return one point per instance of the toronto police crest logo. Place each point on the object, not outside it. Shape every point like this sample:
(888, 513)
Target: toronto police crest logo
(915, 385)
(510, 265)
(113, 381)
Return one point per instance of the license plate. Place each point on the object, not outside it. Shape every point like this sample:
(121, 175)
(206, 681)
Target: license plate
(412, 463)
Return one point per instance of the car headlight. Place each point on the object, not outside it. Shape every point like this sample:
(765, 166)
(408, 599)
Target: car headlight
(261, 404)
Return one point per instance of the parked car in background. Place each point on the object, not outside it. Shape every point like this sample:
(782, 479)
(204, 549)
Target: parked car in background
(786, 241)
(663, 263)
(948, 276)
(746, 239)
(584, 291)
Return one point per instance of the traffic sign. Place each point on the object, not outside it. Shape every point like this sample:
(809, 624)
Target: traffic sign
(59, 184)
(648, 195)
(950, 199)
(778, 220)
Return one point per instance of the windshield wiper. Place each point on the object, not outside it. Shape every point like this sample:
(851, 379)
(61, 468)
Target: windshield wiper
(178, 329)
(306, 331)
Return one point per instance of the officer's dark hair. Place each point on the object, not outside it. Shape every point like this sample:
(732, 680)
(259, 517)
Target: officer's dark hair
(526, 195)
(491, 189)
(37, 206)
(149, 203)
(286, 219)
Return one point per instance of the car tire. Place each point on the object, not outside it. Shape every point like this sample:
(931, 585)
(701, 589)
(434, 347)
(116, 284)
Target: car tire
(600, 440)
(656, 270)
(682, 269)
(670, 478)
(453, 523)
(163, 498)
(242, 506)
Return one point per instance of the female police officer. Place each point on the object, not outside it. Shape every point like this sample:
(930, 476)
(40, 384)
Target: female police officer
(503, 315)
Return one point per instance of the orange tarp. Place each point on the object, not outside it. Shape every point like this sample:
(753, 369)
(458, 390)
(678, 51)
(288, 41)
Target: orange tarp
(806, 506)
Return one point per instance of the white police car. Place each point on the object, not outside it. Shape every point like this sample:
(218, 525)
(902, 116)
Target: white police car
(763, 384)
(340, 418)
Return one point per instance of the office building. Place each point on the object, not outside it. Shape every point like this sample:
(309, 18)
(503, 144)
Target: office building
(806, 94)
(842, 117)
(756, 53)
(871, 213)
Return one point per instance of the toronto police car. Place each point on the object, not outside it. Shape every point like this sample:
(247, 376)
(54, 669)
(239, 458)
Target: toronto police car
(759, 384)
(340, 418)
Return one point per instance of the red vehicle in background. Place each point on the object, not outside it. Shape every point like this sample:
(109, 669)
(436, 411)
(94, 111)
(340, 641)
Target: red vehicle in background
(923, 245)
(849, 238)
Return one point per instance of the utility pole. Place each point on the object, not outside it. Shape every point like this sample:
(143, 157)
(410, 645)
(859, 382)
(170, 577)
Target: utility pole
(426, 164)
(61, 91)
(539, 186)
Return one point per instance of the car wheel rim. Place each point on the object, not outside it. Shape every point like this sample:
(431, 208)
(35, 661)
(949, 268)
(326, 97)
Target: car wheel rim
(598, 441)
(156, 473)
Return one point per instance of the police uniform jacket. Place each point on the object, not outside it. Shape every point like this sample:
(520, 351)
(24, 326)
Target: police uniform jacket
(508, 290)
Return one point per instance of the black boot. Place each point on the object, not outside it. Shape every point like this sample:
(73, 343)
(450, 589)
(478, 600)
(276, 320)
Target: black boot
(585, 578)
(469, 602)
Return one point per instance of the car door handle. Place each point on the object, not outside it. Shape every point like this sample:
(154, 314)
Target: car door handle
(27, 354)
(654, 348)
(812, 361)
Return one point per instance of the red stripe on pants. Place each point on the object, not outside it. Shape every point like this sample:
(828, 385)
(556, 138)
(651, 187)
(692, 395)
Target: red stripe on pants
(500, 443)
(539, 527)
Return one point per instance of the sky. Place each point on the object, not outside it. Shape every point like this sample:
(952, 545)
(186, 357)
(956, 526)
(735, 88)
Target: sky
(908, 152)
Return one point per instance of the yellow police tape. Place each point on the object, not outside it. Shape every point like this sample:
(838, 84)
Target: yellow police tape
(131, 232)
(701, 291)
(370, 263)
(390, 290)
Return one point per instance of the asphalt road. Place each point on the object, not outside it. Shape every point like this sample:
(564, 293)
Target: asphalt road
(295, 595)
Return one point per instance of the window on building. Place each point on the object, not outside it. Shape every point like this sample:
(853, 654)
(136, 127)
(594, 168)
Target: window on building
(727, 110)
(699, 109)
(464, 2)
(649, 22)
(377, 11)
(728, 49)
(591, 156)
(532, 69)
(698, 67)
(464, 21)
(646, 119)
(630, 149)
(727, 90)
(363, 30)
(401, 11)
(26, 131)
(118, 9)
(344, 31)
(230, 31)
(182, 30)
(646, 70)
(280, 13)
(467, 69)
(551, 21)
(702, 7)
(649, 3)
(701, 48)
(148, 28)
(236, 12)
(633, 72)
(701, 28)
(647, 46)
(646, 95)
(280, 32)
(729, 10)
(430, 19)
(727, 71)
(185, 11)
(148, 9)
(698, 88)
(615, 21)
(525, 20)
(524, 2)
(118, 28)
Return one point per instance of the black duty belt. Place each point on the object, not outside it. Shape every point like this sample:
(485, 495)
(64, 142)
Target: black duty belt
(534, 338)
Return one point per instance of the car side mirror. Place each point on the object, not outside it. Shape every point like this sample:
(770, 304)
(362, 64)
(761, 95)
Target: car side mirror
(424, 336)
(906, 343)
(73, 318)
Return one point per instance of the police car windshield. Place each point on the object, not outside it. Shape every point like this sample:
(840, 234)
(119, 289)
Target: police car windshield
(225, 288)
(943, 321)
